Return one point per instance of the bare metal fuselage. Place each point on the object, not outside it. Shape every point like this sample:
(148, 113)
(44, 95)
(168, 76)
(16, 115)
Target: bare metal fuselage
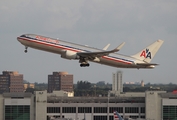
(58, 46)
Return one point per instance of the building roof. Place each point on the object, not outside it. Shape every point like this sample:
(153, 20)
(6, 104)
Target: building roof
(17, 94)
(59, 99)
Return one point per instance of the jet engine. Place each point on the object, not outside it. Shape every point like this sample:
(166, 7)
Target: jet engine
(69, 55)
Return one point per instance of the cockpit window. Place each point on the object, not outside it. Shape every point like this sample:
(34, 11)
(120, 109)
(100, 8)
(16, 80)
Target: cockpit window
(23, 36)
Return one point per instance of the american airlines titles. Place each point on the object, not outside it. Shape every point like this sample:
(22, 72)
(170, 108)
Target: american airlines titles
(47, 39)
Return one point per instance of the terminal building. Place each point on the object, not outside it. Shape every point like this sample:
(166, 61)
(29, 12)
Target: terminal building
(151, 105)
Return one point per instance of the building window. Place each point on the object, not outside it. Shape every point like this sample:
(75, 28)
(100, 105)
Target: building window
(69, 109)
(84, 110)
(118, 109)
(100, 118)
(169, 112)
(100, 109)
(53, 109)
(131, 110)
(133, 117)
(142, 109)
(17, 112)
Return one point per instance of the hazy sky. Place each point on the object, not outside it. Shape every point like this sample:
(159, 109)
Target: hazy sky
(94, 23)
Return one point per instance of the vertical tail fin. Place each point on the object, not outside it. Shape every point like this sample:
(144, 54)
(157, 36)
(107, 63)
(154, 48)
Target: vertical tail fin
(149, 52)
(117, 116)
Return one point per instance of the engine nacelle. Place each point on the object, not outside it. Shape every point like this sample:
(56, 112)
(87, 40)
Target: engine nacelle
(96, 59)
(69, 55)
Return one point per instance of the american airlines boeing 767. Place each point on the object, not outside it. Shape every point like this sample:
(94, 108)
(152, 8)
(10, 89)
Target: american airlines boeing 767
(85, 54)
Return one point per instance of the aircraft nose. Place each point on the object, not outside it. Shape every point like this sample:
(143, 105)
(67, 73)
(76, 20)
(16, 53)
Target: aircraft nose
(18, 38)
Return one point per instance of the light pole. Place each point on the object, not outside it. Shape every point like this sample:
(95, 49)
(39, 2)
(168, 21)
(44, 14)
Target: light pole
(108, 105)
(84, 114)
(95, 90)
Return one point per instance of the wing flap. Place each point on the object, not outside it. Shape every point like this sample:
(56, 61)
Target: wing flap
(147, 64)
(101, 53)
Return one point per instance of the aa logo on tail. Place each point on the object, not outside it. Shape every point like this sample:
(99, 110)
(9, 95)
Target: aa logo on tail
(146, 54)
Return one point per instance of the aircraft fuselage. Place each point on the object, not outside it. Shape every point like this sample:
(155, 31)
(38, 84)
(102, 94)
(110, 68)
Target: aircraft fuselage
(69, 50)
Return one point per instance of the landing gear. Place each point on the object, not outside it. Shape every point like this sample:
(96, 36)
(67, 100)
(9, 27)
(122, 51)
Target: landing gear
(84, 64)
(26, 49)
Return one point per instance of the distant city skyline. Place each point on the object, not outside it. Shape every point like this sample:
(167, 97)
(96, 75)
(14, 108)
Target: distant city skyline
(92, 23)
(124, 82)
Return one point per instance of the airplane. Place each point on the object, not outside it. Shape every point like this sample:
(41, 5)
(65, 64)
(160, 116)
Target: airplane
(84, 54)
(117, 116)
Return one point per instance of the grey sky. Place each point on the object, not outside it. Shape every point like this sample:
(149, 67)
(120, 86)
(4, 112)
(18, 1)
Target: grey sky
(94, 23)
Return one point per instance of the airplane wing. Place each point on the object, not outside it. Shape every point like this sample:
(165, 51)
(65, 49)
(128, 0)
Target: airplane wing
(147, 64)
(101, 53)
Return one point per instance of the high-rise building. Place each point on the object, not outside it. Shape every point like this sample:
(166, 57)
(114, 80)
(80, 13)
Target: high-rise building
(142, 83)
(117, 81)
(11, 81)
(60, 81)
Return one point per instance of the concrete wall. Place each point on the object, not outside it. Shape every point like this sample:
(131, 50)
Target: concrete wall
(153, 105)
(6, 100)
(41, 102)
(1, 107)
(25, 101)
(32, 111)
(169, 102)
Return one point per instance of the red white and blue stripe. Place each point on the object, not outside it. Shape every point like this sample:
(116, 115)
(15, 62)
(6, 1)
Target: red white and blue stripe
(74, 49)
